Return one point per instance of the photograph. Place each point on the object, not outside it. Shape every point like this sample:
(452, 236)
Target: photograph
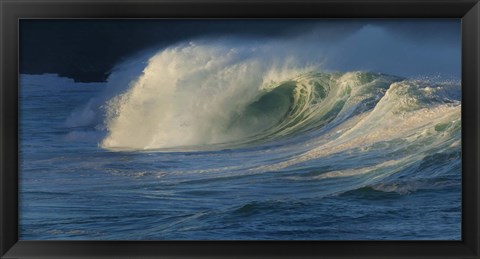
(240, 129)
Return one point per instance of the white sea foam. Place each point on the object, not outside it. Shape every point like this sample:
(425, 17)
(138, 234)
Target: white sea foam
(189, 94)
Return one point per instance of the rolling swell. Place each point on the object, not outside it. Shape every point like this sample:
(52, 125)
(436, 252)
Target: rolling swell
(348, 130)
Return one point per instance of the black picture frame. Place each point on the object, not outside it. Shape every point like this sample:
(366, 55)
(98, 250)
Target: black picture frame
(13, 10)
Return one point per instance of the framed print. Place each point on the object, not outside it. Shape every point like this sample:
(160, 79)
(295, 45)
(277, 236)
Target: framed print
(230, 129)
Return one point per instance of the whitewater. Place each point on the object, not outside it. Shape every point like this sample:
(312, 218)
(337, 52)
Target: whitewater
(209, 141)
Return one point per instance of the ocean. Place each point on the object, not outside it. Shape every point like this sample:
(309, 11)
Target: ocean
(222, 147)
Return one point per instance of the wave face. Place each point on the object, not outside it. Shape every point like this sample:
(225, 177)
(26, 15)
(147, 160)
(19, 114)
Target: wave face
(205, 97)
(358, 129)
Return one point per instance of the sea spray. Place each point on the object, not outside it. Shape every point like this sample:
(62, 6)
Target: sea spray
(203, 97)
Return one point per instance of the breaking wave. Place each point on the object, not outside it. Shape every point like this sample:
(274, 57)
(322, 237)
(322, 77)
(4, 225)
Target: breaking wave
(200, 97)
(197, 96)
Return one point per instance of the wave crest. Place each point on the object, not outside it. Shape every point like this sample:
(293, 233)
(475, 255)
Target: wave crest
(207, 96)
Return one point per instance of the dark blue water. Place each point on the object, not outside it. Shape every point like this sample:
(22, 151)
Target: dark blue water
(320, 184)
